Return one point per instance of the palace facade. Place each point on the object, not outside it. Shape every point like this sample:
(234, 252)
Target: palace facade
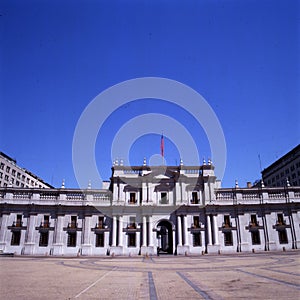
(176, 210)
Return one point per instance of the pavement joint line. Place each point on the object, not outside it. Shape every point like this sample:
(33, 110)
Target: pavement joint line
(195, 287)
(295, 285)
(152, 289)
(94, 283)
(280, 271)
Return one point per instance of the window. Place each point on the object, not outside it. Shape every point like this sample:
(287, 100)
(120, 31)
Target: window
(227, 222)
(287, 171)
(46, 222)
(22, 184)
(23, 177)
(7, 169)
(99, 240)
(282, 235)
(253, 220)
(255, 237)
(1, 175)
(131, 224)
(100, 224)
(228, 238)
(17, 183)
(19, 175)
(292, 168)
(132, 198)
(281, 174)
(195, 198)
(131, 239)
(27, 180)
(19, 221)
(44, 236)
(280, 220)
(163, 199)
(16, 238)
(72, 239)
(196, 222)
(12, 181)
(197, 239)
(13, 172)
(1, 166)
(6, 177)
(73, 223)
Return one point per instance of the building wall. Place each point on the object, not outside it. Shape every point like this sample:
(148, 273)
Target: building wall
(14, 176)
(197, 217)
(286, 167)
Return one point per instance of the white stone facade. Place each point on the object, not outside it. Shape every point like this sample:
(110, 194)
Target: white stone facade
(149, 211)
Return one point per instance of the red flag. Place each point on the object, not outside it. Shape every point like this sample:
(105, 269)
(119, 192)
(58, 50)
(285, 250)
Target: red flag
(162, 146)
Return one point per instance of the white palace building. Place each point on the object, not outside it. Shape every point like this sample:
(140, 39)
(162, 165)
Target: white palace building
(176, 210)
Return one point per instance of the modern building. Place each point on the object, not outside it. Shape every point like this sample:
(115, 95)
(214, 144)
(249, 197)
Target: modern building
(286, 167)
(14, 176)
(175, 210)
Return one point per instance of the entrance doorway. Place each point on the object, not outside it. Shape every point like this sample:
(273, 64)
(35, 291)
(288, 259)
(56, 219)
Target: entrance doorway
(165, 237)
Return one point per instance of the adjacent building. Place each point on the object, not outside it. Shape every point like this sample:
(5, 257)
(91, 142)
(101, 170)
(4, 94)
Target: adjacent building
(150, 210)
(13, 175)
(286, 167)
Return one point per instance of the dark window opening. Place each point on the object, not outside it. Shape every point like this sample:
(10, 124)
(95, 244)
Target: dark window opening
(196, 222)
(253, 220)
(255, 238)
(197, 239)
(280, 219)
(195, 199)
(282, 236)
(132, 198)
(228, 238)
(73, 223)
(19, 221)
(131, 240)
(164, 199)
(99, 240)
(227, 222)
(100, 224)
(44, 236)
(72, 239)
(16, 238)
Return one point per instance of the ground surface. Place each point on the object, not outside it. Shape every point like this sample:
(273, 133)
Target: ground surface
(240, 276)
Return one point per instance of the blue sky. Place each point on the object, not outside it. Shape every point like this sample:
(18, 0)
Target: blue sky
(241, 56)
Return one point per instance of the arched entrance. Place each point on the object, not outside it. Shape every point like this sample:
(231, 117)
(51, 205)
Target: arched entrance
(165, 237)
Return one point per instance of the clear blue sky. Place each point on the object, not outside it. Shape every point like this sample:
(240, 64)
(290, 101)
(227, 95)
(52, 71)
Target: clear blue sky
(241, 56)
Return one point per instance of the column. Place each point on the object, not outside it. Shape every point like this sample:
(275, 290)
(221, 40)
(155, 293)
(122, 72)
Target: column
(120, 231)
(114, 231)
(31, 228)
(185, 230)
(179, 230)
(59, 229)
(87, 230)
(150, 232)
(3, 228)
(216, 230)
(144, 231)
(209, 230)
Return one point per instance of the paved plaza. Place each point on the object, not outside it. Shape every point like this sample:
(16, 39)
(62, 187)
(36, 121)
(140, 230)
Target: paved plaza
(240, 276)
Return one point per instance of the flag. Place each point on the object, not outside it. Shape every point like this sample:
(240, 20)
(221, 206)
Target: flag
(162, 146)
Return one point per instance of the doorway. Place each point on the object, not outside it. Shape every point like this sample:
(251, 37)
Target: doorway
(165, 237)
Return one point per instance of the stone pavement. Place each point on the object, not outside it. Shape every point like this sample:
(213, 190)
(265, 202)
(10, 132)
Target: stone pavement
(239, 276)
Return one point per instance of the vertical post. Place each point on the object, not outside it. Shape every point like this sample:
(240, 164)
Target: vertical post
(144, 231)
(216, 231)
(114, 231)
(185, 230)
(120, 231)
(209, 230)
(150, 232)
(179, 230)
(87, 228)
(3, 228)
(31, 228)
